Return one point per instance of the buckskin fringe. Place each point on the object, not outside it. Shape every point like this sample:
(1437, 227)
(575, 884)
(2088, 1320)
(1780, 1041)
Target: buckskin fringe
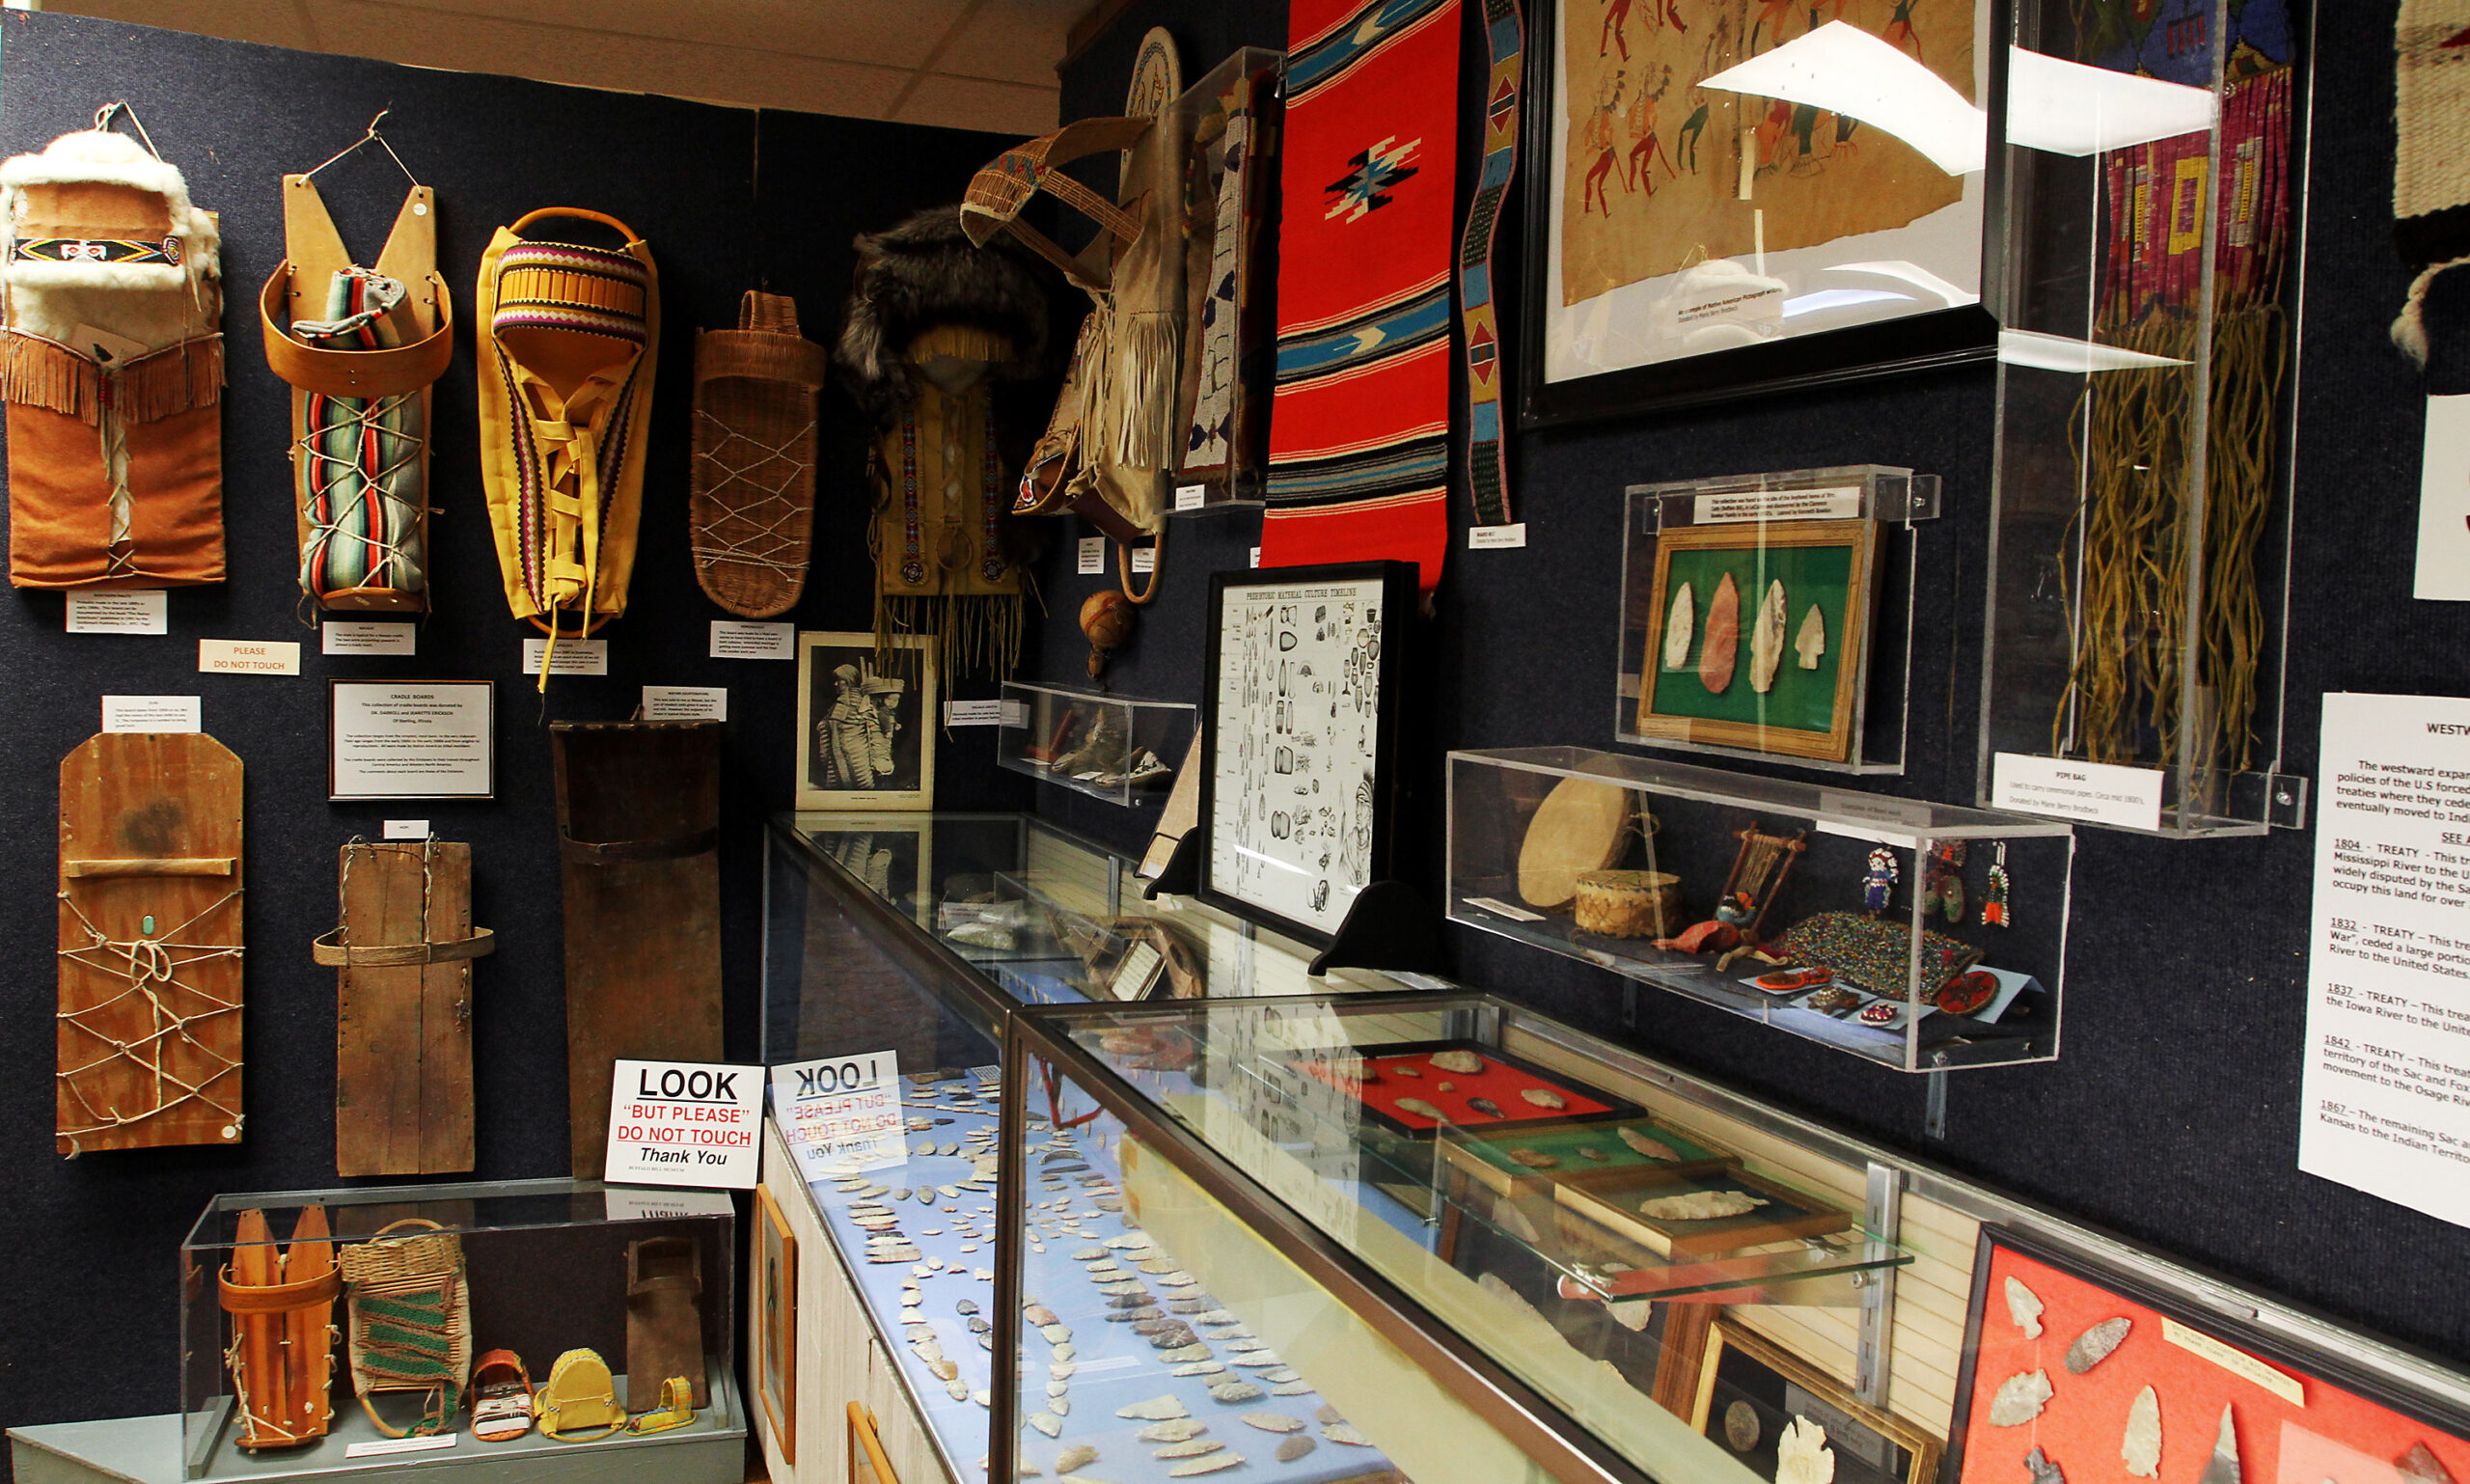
(35, 371)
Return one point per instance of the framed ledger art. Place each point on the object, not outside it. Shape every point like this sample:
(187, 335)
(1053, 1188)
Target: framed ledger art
(1764, 195)
(865, 728)
(2070, 1369)
(773, 1324)
(1300, 739)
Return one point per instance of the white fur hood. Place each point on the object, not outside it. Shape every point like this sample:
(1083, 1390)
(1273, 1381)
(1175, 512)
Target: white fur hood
(49, 298)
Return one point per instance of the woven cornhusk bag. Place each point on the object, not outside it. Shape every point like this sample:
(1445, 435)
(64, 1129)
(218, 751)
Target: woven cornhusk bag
(408, 1321)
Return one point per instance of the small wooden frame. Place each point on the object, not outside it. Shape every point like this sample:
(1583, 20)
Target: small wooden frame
(149, 915)
(403, 959)
(1761, 1377)
(773, 1321)
(1788, 1217)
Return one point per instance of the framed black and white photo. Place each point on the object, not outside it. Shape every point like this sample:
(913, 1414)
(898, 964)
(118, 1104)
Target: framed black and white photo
(410, 740)
(1769, 197)
(865, 727)
(1300, 725)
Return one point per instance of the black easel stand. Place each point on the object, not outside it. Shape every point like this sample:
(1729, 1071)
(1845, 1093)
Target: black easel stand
(1390, 929)
(1182, 876)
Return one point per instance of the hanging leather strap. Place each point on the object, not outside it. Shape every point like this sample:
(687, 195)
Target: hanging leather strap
(382, 955)
(588, 852)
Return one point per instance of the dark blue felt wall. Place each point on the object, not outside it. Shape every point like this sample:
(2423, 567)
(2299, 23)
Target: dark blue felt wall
(2173, 1114)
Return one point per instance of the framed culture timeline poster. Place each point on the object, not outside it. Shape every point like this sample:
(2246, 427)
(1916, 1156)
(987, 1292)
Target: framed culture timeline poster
(866, 728)
(1728, 195)
(1299, 728)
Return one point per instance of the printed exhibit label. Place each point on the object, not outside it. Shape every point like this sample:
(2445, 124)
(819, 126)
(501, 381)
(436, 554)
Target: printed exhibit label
(685, 1123)
(154, 713)
(2384, 1093)
(739, 640)
(355, 636)
(841, 1115)
(2095, 793)
(686, 704)
(248, 657)
(147, 611)
(1496, 537)
(574, 657)
(1090, 556)
(406, 829)
(1840, 502)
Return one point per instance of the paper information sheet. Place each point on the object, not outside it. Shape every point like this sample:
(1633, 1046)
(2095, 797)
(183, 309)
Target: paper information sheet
(154, 713)
(741, 640)
(138, 611)
(2385, 1088)
(841, 1113)
(411, 740)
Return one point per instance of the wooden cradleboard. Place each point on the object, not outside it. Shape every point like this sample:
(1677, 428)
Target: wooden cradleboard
(281, 1305)
(402, 958)
(751, 512)
(149, 944)
(638, 825)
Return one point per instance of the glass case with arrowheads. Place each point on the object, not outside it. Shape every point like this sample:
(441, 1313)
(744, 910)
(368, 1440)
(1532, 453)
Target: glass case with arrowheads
(332, 1332)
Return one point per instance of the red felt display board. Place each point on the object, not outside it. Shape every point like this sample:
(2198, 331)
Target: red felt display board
(1499, 1081)
(2338, 1435)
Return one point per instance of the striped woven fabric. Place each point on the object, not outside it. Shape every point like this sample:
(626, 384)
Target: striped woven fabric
(561, 286)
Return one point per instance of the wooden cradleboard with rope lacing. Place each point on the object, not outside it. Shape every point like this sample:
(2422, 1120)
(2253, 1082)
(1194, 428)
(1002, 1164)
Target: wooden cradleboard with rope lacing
(402, 958)
(150, 943)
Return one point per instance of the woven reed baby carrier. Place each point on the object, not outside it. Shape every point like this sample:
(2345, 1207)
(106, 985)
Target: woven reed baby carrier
(360, 348)
(751, 506)
(409, 1322)
(569, 339)
(111, 361)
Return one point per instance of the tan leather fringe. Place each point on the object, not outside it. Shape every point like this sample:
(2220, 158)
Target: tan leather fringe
(40, 373)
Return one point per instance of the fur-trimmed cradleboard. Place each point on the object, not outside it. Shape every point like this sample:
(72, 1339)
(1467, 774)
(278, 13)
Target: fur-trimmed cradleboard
(111, 361)
(359, 347)
(570, 335)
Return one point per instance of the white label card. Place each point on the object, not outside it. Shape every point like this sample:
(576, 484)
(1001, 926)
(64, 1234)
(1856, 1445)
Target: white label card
(1092, 556)
(154, 713)
(1256, 555)
(2444, 503)
(684, 1124)
(1495, 537)
(686, 704)
(408, 740)
(248, 657)
(635, 1203)
(1191, 497)
(146, 611)
(1838, 503)
(406, 829)
(978, 713)
(737, 640)
(353, 636)
(574, 656)
(379, 1447)
(1144, 559)
(841, 1113)
(2095, 793)
(2384, 1093)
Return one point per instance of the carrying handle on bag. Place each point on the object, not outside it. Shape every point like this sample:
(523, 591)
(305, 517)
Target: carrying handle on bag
(579, 213)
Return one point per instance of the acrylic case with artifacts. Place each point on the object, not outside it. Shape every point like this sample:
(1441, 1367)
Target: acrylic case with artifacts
(2139, 571)
(1116, 748)
(1770, 615)
(1921, 937)
(402, 1280)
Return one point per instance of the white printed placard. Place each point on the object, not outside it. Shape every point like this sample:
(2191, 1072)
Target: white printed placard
(735, 639)
(141, 610)
(356, 635)
(406, 829)
(154, 713)
(1841, 502)
(2095, 793)
(1191, 497)
(841, 1113)
(686, 704)
(2384, 1091)
(1090, 556)
(685, 1123)
(248, 657)
(380, 1448)
(986, 713)
(1144, 559)
(573, 657)
(1496, 537)
(411, 740)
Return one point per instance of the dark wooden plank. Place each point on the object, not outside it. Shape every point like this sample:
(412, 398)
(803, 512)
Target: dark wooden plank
(402, 1032)
(446, 1020)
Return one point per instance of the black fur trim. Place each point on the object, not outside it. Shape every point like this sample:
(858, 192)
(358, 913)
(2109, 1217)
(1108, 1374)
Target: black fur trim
(926, 272)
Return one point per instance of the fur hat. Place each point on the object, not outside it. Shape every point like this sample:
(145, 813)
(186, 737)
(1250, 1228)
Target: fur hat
(925, 272)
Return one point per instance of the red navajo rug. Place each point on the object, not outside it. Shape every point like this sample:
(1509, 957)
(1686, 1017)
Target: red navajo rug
(1360, 423)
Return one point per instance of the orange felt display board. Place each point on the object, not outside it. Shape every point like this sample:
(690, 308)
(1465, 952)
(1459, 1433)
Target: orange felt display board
(1501, 1081)
(2338, 1436)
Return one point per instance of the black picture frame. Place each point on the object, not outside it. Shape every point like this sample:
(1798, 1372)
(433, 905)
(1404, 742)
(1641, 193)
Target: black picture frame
(1930, 340)
(2310, 1363)
(1397, 587)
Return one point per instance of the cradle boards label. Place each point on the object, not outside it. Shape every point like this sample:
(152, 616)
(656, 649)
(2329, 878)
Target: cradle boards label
(406, 829)
(248, 657)
(840, 1114)
(686, 704)
(2099, 792)
(1092, 552)
(145, 612)
(2384, 1091)
(355, 636)
(733, 640)
(2444, 503)
(154, 713)
(574, 657)
(378, 1447)
(684, 1124)
(1835, 502)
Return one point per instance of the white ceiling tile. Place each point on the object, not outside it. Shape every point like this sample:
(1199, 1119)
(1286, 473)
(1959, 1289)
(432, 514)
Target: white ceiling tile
(894, 35)
(1013, 40)
(269, 22)
(975, 104)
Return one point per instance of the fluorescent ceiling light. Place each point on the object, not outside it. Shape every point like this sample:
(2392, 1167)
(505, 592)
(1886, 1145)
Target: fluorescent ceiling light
(2058, 353)
(1846, 71)
(2068, 108)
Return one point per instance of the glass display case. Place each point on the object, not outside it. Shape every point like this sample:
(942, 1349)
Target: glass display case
(922, 935)
(336, 1331)
(1923, 937)
(1116, 748)
(1429, 1238)
(2139, 571)
(1770, 615)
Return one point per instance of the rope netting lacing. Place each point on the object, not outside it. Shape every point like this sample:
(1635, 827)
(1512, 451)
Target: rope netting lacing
(153, 967)
(767, 509)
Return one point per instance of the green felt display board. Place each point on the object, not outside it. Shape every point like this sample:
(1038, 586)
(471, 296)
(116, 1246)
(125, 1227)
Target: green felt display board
(1801, 700)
